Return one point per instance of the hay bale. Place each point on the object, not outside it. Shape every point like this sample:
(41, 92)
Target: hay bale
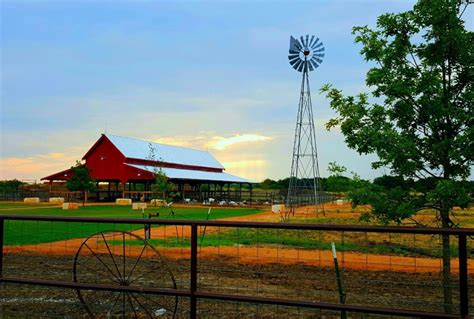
(160, 202)
(31, 200)
(339, 202)
(278, 209)
(123, 201)
(69, 206)
(56, 200)
(137, 206)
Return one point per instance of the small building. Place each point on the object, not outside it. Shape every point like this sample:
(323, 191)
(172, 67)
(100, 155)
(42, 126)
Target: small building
(127, 166)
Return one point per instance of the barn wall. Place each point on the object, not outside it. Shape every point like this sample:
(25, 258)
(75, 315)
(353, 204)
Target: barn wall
(105, 162)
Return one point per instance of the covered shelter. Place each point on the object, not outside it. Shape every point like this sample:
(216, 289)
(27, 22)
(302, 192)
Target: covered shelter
(128, 167)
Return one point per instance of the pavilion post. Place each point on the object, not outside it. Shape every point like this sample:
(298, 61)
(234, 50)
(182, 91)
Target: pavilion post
(251, 193)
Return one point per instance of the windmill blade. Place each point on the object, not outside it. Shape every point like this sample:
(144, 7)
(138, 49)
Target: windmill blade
(301, 66)
(307, 41)
(294, 52)
(302, 41)
(292, 62)
(317, 60)
(311, 42)
(294, 45)
(292, 56)
(298, 64)
(315, 43)
(319, 50)
(314, 63)
(316, 46)
(310, 67)
(319, 55)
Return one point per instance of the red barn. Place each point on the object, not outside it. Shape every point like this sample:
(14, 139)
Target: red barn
(127, 162)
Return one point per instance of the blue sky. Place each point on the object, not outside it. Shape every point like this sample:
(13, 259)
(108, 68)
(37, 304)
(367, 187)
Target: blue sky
(205, 74)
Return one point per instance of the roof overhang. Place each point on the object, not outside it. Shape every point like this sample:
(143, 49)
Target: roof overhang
(187, 174)
(59, 176)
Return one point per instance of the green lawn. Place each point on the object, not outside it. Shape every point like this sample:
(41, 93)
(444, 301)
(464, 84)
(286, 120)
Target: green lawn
(26, 232)
(6, 206)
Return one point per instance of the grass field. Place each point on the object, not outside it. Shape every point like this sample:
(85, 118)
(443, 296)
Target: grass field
(21, 233)
(26, 232)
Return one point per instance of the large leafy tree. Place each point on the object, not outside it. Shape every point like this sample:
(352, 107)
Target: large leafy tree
(418, 118)
(81, 180)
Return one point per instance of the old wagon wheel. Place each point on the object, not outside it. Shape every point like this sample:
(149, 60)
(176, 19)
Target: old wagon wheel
(123, 259)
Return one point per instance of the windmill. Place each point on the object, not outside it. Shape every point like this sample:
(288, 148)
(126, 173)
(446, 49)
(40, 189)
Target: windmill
(305, 55)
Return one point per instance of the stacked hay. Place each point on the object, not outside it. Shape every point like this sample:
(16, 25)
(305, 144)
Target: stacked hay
(160, 202)
(123, 201)
(56, 200)
(31, 200)
(69, 206)
(136, 206)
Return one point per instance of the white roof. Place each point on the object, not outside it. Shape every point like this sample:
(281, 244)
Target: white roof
(175, 173)
(133, 148)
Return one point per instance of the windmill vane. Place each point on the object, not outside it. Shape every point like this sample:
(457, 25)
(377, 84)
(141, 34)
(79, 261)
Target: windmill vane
(305, 53)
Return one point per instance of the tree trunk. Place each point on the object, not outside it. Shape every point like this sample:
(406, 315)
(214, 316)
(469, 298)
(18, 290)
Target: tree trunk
(447, 284)
(83, 198)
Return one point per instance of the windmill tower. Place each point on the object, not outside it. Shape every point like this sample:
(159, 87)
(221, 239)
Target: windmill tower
(305, 55)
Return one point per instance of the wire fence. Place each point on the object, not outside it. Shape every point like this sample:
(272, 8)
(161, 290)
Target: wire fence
(69, 267)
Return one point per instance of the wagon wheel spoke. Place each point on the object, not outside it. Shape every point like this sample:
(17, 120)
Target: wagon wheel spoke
(113, 305)
(124, 256)
(145, 274)
(141, 306)
(112, 256)
(131, 305)
(100, 273)
(136, 262)
(162, 305)
(102, 262)
(124, 305)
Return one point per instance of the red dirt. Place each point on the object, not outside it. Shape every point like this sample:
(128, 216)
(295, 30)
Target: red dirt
(261, 254)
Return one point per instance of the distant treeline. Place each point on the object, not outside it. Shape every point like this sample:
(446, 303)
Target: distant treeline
(10, 185)
(344, 184)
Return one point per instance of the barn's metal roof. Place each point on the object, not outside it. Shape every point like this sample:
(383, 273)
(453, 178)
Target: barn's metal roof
(133, 148)
(175, 173)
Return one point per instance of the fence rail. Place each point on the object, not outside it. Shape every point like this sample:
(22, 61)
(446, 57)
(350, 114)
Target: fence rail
(195, 293)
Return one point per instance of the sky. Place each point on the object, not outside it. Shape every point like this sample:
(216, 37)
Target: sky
(205, 74)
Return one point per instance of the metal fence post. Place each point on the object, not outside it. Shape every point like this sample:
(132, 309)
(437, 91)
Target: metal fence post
(193, 283)
(463, 287)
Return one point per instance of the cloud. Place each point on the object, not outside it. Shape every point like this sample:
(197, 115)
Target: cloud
(222, 143)
(34, 167)
(256, 169)
(245, 164)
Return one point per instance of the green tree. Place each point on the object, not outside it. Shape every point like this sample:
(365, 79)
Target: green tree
(161, 183)
(269, 184)
(335, 169)
(81, 180)
(10, 185)
(419, 117)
